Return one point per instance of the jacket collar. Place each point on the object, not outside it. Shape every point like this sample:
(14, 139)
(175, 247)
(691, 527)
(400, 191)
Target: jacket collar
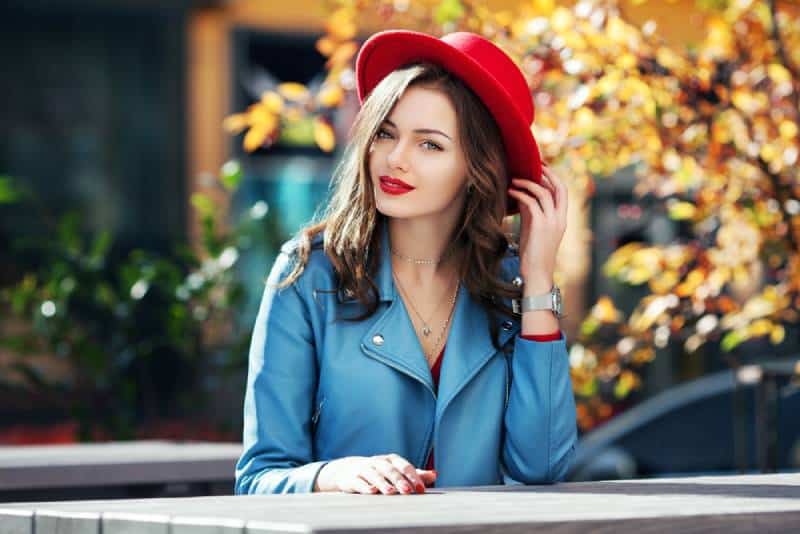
(392, 339)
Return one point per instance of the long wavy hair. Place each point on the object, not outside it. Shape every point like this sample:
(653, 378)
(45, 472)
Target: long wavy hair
(351, 222)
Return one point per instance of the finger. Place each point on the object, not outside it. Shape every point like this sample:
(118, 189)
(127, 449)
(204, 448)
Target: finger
(529, 203)
(408, 470)
(561, 186)
(428, 476)
(544, 196)
(377, 479)
(562, 195)
(548, 180)
(385, 468)
(359, 485)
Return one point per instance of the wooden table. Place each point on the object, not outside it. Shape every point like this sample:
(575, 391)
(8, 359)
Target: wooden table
(746, 503)
(37, 472)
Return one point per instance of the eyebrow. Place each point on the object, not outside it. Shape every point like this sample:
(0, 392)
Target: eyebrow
(420, 130)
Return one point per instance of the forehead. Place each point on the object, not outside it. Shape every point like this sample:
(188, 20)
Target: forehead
(423, 107)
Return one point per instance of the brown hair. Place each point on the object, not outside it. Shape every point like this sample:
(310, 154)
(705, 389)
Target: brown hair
(351, 221)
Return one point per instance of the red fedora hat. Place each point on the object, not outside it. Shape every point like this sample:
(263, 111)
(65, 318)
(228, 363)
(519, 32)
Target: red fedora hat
(480, 64)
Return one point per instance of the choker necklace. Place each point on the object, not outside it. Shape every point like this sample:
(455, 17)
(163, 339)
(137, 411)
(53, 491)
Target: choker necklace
(422, 261)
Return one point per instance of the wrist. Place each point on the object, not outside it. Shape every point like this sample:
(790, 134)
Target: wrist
(536, 284)
(324, 480)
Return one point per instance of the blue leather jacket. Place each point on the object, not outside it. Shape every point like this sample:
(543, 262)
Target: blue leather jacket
(318, 390)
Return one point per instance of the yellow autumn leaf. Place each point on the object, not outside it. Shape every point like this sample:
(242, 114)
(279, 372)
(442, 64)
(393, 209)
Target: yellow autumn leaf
(272, 101)
(680, 211)
(748, 102)
(643, 355)
(664, 282)
(543, 7)
(768, 152)
(342, 54)
(258, 114)
(235, 123)
(326, 46)
(620, 258)
(626, 61)
(340, 24)
(777, 334)
(760, 327)
(293, 91)
(255, 137)
(719, 38)
(778, 73)
(584, 120)
(562, 19)
(617, 30)
(330, 95)
(788, 130)
(605, 311)
(638, 275)
(324, 135)
(669, 59)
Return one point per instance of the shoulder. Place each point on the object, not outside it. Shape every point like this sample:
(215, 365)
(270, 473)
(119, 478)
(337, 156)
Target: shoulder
(318, 270)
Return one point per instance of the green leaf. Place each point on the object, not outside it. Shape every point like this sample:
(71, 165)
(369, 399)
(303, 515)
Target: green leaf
(298, 133)
(448, 11)
(8, 193)
(732, 339)
(69, 233)
(231, 175)
(100, 247)
(203, 204)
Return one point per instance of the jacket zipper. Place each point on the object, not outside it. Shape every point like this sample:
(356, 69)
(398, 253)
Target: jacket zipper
(508, 383)
(430, 389)
(317, 412)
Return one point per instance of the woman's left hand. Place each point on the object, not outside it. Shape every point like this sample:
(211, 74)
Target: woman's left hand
(543, 212)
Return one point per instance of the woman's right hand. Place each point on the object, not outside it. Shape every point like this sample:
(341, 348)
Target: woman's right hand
(385, 473)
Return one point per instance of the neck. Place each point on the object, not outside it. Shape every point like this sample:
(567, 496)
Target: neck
(418, 239)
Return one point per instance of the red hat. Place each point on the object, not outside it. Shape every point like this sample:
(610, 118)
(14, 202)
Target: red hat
(480, 64)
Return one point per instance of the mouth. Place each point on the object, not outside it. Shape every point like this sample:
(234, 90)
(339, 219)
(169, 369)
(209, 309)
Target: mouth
(394, 186)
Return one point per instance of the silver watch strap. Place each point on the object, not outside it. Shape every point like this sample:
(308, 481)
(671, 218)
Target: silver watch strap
(537, 302)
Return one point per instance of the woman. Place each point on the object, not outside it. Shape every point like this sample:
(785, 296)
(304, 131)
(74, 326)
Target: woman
(388, 339)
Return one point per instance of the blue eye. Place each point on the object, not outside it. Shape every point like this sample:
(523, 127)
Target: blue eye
(430, 144)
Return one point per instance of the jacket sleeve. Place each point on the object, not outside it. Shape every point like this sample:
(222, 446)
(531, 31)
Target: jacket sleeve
(281, 386)
(540, 419)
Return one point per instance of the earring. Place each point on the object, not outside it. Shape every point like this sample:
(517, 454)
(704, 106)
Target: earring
(470, 189)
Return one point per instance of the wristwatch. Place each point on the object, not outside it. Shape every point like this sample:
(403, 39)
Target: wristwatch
(547, 301)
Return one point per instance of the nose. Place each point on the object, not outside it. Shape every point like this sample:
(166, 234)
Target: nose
(397, 157)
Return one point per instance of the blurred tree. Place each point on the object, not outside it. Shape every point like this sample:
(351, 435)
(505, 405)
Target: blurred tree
(138, 339)
(712, 132)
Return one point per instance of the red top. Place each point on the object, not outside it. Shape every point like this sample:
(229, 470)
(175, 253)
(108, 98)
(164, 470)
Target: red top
(437, 369)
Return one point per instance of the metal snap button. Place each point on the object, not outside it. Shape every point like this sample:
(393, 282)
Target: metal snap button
(507, 325)
(517, 281)
(377, 339)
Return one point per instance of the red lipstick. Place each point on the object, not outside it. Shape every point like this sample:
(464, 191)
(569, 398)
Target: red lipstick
(393, 186)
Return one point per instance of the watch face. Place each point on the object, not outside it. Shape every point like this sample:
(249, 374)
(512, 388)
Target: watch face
(557, 301)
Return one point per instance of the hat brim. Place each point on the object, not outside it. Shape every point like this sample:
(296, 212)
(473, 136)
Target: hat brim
(386, 51)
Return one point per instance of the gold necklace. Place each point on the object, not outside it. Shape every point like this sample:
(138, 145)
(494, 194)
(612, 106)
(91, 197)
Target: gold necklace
(435, 351)
(418, 261)
(426, 328)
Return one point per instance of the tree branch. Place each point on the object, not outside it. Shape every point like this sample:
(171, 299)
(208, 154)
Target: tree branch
(784, 57)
